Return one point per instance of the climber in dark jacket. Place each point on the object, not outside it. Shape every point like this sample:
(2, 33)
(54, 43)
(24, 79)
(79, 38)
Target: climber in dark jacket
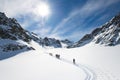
(73, 60)
(57, 56)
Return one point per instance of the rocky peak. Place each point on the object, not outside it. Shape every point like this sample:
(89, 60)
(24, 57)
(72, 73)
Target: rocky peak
(67, 42)
(108, 34)
(11, 29)
(51, 42)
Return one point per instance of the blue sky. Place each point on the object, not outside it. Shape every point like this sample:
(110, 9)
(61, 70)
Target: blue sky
(69, 19)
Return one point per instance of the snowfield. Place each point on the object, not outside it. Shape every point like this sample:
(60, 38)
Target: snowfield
(92, 62)
(104, 61)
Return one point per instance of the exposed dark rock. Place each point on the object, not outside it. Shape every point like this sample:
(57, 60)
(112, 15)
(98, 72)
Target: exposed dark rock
(108, 34)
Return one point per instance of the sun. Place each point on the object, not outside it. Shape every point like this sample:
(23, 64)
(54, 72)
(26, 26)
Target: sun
(43, 9)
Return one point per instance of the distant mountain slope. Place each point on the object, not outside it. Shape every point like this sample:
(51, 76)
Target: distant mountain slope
(10, 29)
(108, 34)
(65, 43)
(49, 42)
(14, 38)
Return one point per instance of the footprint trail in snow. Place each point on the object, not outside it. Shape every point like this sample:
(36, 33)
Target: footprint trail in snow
(91, 74)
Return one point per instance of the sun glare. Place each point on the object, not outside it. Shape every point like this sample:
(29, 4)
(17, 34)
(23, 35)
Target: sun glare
(43, 9)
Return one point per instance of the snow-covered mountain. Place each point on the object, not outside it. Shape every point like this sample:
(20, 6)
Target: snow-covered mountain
(14, 38)
(65, 43)
(92, 62)
(108, 34)
(11, 29)
(49, 42)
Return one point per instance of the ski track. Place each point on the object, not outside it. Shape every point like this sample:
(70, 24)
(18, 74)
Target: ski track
(105, 75)
(90, 75)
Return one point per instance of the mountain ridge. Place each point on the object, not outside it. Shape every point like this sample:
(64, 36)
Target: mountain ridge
(108, 34)
(11, 29)
(14, 39)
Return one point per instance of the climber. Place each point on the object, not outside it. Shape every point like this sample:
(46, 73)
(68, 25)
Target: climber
(57, 56)
(73, 60)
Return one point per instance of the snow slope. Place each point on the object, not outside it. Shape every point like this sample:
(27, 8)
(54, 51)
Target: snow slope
(36, 65)
(9, 48)
(108, 34)
(93, 62)
(103, 61)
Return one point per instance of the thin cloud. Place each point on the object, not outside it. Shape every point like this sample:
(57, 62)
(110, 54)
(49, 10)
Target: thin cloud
(42, 31)
(79, 16)
(72, 25)
(24, 11)
(55, 36)
(15, 8)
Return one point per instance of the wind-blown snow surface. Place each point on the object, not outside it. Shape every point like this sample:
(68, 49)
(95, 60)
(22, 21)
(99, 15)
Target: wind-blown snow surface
(9, 48)
(92, 63)
(103, 61)
(35, 65)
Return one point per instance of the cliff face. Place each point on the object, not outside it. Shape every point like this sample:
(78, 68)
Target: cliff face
(108, 34)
